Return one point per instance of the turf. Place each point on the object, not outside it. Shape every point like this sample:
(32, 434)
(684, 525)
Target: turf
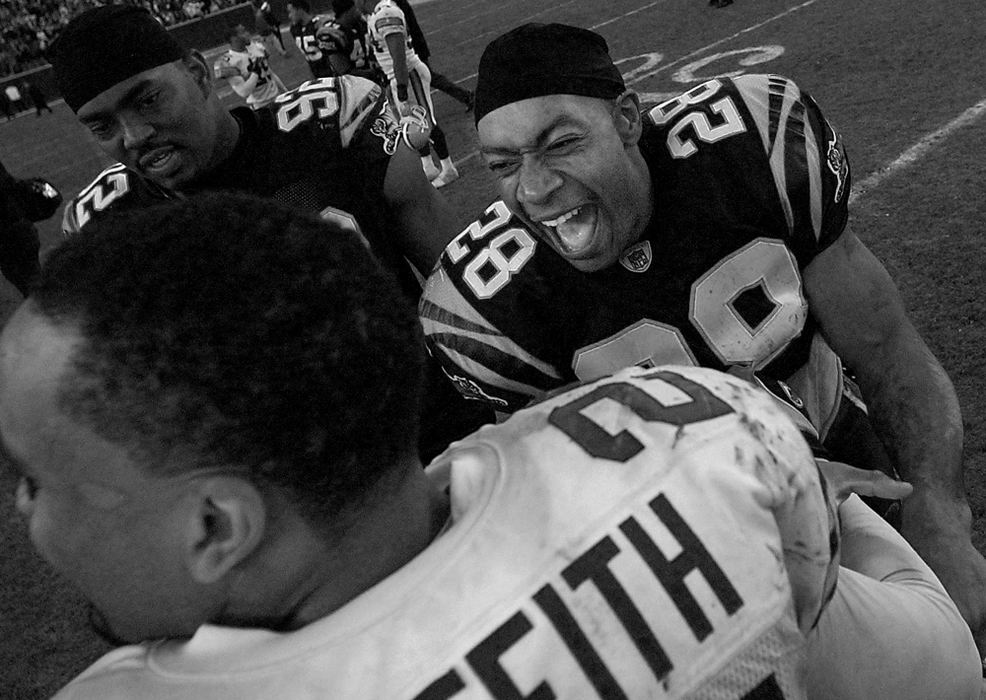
(886, 73)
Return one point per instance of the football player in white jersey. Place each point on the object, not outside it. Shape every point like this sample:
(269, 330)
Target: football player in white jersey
(246, 65)
(246, 511)
(409, 78)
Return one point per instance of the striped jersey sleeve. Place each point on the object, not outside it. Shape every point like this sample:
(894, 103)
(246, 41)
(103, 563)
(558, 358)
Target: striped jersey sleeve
(806, 155)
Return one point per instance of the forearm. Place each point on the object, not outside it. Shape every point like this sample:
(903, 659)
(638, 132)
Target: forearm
(244, 86)
(916, 413)
(425, 220)
(395, 44)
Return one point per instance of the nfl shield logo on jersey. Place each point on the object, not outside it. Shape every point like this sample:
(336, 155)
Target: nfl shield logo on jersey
(637, 258)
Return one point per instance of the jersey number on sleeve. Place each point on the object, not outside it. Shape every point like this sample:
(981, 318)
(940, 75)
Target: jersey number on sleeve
(673, 399)
(506, 252)
(100, 196)
(697, 122)
(299, 106)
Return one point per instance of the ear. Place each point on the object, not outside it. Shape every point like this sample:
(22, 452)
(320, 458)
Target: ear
(225, 525)
(196, 64)
(628, 118)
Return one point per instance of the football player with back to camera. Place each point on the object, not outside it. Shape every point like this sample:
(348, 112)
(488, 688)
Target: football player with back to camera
(710, 230)
(409, 79)
(250, 530)
(343, 41)
(304, 29)
(333, 147)
(421, 48)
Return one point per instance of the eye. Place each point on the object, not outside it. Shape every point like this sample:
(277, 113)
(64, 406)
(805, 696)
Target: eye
(101, 130)
(148, 99)
(502, 168)
(563, 144)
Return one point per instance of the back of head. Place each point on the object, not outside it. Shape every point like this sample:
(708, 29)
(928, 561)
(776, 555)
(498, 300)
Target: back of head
(243, 335)
(104, 46)
(301, 5)
(536, 59)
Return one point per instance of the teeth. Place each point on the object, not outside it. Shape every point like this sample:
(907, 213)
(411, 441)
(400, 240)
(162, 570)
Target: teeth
(563, 218)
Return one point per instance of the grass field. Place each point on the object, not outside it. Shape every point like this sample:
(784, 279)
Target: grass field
(903, 81)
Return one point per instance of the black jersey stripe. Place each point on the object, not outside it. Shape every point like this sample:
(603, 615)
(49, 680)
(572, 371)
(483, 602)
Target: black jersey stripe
(475, 359)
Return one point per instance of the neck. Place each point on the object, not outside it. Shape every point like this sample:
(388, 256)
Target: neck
(309, 575)
(642, 193)
(227, 136)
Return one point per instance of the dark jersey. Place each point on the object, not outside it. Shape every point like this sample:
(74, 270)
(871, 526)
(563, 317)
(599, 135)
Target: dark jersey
(305, 38)
(750, 183)
(324, 147)
(348, 40)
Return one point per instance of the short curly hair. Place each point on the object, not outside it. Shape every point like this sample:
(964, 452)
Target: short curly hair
(230, 331)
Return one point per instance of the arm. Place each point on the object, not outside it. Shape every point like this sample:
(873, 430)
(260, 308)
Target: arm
(426, 221)
(913, 407)
(243, 86)
(890, 630)
(395, 45)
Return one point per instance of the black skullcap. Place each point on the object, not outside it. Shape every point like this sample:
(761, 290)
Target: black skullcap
(106, 45)
(545, 59)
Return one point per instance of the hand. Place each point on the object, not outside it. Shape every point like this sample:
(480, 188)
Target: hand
(938, 527)
(845, 480)
(416, 128)
(404, 109)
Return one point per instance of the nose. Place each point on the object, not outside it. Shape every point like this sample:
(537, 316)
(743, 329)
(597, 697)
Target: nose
(136, 131)
(536, 182)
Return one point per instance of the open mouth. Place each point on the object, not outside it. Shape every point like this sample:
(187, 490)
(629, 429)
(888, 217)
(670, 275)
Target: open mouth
(574, 229)
(159, 162)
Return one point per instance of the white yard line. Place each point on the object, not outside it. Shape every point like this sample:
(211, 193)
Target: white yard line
(918, 151)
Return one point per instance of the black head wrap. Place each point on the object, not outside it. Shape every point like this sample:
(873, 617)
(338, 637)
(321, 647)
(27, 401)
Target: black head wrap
(545, 59)
(106, 45)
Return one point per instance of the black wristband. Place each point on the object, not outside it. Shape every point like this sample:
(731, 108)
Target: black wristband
(402, 92)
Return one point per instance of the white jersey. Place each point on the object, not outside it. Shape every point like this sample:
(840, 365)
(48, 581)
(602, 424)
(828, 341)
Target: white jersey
(386, 19)
(659, 534)
(254, 59)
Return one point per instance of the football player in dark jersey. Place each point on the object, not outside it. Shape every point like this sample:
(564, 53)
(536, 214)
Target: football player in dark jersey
(304, 29)
(268, 25)
(711, 230)
(343, 42)
(332, 146)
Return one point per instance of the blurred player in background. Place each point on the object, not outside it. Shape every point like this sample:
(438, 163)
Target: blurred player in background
(269, 25)
(245, 510)
(409, 79)
(304, 29)
(333, 147)
(420, 44)
(712, 230)
(22, 202)
(246, 65)
(343, 40)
